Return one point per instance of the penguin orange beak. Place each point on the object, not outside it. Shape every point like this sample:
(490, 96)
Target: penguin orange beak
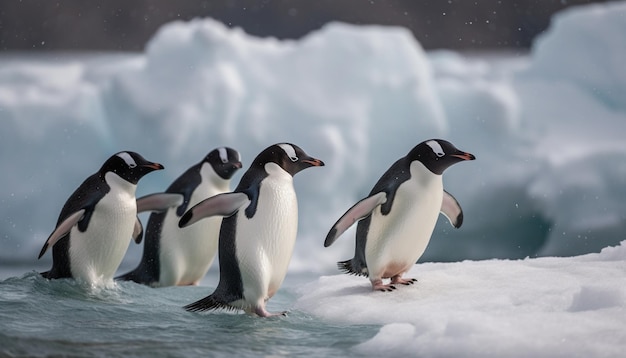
(314, 162)
(465, 156)
(154, 166)
(238, 165)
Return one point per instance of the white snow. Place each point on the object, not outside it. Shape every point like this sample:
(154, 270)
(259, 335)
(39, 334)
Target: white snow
(542, 307)
(547, 128)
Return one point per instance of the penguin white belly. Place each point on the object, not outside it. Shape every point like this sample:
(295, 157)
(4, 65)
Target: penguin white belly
(96, 253)
(397, 240)
(264, 243)
(186, 254)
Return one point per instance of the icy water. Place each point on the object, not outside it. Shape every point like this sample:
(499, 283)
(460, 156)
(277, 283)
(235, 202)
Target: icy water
(64, 318)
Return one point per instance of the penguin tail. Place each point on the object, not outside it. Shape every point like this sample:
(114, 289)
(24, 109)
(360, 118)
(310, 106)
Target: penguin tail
(207, 304)
(127, 277)
(136, 276)
(350, 268)
(55, 273)
(143, 274)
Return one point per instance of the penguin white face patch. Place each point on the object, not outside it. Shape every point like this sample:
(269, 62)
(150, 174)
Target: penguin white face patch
(128, 159)
(436, 147)
(290, 151)
(223, 154)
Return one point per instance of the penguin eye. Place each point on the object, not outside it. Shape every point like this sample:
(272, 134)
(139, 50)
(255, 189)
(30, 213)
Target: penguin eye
(294, 159)
(132, 165)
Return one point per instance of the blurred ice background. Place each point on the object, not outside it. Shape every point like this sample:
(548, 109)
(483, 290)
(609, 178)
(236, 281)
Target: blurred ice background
(547, 128)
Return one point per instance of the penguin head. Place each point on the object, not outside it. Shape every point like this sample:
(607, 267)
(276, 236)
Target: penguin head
(129, 166)
(438, 154)
(288, 156)
(225, 161)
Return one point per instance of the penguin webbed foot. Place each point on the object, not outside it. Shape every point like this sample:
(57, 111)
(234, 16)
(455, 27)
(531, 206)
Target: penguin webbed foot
(385, 288)
(262, 312)
(378, 285)
(403, 281)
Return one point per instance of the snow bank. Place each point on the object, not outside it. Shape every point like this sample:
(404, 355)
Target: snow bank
(550, 168)
(543, 307)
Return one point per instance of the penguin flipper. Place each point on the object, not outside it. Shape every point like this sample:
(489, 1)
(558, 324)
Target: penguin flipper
(138, 231)
(61, 230)
(357, 212)
(225, 204)
(451, 209)
(159, 202)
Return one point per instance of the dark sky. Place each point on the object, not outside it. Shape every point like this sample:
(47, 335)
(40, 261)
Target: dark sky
(126, 25)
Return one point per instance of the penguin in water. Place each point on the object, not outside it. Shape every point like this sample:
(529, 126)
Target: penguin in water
(397, 218)
(173, 256)
(98, 221)
(258, 232)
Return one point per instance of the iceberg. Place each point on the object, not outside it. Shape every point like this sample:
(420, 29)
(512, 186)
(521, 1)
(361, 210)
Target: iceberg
(547, 128)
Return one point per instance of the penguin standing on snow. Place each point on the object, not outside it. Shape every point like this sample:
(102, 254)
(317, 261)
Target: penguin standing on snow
(258, 232)
(173, 256)
(400, 213)
(98, 221)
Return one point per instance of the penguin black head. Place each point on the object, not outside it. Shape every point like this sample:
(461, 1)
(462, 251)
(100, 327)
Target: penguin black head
(288, 156)
(129, 166)
(438, 154)
(225, 161)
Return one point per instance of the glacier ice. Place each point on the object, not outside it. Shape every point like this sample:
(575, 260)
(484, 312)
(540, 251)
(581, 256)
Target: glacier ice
(547, 127)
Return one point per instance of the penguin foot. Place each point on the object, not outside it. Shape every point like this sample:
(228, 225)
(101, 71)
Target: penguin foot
(379, 286)
(261, 312)
(403, 281)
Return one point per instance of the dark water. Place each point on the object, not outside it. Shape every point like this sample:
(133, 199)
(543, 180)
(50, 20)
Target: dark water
(64, 318)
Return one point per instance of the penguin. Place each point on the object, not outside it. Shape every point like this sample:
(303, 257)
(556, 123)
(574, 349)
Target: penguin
(180, 257)
(98, 221)
(258, 231)
(397, 218)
